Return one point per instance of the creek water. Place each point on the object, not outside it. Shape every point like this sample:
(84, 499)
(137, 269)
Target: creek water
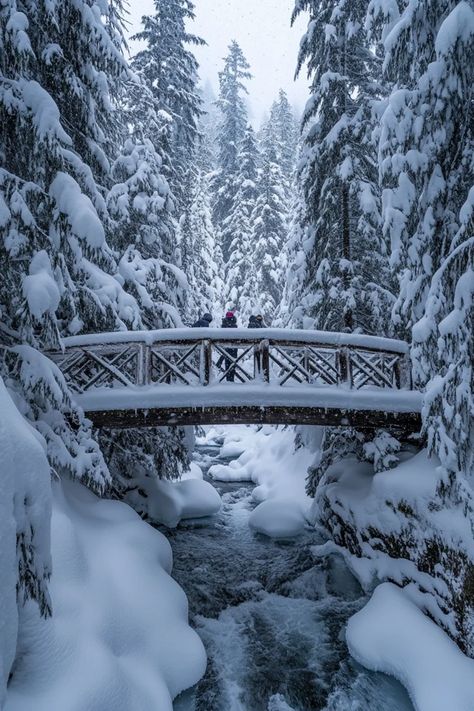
(272, 618)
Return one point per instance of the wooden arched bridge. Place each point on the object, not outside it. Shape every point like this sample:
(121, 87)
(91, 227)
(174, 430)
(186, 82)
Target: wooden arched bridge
(211, 376)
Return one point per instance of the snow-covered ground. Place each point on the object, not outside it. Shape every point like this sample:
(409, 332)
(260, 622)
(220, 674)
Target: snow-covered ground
(119, 637)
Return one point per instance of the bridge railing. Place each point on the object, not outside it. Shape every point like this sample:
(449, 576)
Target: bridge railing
(203, 361)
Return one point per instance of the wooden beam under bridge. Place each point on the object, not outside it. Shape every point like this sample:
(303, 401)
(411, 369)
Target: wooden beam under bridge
(403, 422)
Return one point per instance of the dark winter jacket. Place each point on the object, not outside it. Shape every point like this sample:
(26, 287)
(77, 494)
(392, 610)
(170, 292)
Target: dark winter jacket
(203, 322)
(229, 322)
(255, 322)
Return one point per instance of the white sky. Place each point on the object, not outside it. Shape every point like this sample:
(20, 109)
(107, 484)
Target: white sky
(262, 28)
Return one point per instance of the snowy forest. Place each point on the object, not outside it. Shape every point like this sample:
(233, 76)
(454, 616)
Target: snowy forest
(220, 565)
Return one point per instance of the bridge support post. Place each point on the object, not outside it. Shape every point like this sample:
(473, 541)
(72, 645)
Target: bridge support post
(264, 347)
(206, 362)
(143, 365)
(345, 366)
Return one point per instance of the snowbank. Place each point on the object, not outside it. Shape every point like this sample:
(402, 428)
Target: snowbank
(119, 638)
(391, 635)
(25, 509)
(169, 502)
(269, 459)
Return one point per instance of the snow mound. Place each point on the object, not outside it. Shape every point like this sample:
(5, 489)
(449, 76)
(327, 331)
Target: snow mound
(237, 470)
(390, 634)
(25, 508)
(172, 502)
(278, 518)
(119, 638)
(194, 472)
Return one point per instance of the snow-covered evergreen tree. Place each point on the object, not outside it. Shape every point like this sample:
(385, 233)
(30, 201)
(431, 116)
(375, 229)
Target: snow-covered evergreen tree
(345, 257)
(427, 168)
(170, 70)
(61, 66)
(140, 203)
(207, 150)
(230, 135)
(293, 307)
(270, 228)
(241, 281)
(208, 275)
(286, 133)
(145, 238)
(200, 256)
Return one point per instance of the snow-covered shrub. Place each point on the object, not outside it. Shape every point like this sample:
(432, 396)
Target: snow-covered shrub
(382, 450)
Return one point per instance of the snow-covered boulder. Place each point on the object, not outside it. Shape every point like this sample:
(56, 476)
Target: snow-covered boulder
(119, 638)
(169, 502)
(278, 518)
(194, 472)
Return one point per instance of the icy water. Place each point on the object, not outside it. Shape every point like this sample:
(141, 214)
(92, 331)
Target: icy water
(271, 617)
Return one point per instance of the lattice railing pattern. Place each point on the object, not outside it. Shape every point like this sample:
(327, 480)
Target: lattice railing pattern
(203, 361)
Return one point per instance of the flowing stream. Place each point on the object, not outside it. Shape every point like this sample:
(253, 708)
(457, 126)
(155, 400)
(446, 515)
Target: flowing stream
(272, 617)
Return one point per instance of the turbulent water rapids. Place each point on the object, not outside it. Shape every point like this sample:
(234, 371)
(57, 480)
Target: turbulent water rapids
(272, 618)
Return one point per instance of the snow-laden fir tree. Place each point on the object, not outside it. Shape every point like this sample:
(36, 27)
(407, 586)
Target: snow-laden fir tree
(286, 134)
(140, 204)
(241, 281)
(60, 65)
(292, 309)
(208, 149)
(270, 225)
(170, 69)
(59, 272)
(142, 207)
(427, 168)
(230, 135)
(200, 255)
(345, 257)
(208, 284)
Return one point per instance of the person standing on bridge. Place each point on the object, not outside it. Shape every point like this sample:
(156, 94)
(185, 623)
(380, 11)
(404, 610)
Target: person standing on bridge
(256, 322)
(203, 322)
(229, 321)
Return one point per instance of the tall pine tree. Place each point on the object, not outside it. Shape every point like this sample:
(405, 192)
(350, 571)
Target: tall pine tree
(170, 70)
(241, 281)
(61, 66)
(230, 135)
(345, 257)
(427, 167)
(270, 226)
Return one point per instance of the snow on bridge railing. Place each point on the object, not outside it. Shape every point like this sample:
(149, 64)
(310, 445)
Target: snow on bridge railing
(329, 338)
(203, 356)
